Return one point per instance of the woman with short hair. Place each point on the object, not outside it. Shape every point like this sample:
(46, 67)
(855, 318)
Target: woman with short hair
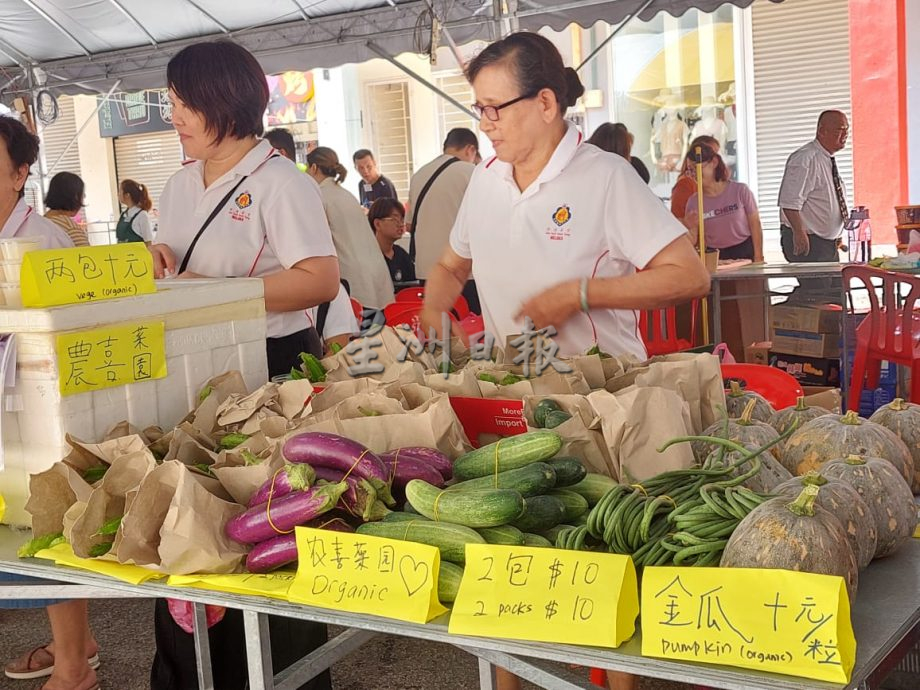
(615, 138)
(64, 201)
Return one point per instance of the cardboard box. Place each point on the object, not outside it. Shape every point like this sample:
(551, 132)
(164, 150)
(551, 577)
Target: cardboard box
(827, 397)
(812, 371)
(819, 318)
(805, 343)
(757, 353)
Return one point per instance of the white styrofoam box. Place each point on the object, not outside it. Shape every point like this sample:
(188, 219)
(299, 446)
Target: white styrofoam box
(212, 326)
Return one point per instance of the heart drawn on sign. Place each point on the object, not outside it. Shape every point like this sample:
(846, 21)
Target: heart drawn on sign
(414, 575)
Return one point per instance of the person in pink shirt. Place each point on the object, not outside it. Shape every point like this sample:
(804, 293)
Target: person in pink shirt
(731, 221)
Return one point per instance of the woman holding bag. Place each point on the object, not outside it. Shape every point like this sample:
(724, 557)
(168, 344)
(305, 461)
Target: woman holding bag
(239, 209)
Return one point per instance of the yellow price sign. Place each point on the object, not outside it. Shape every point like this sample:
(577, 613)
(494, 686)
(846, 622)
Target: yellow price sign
(365, 574)
(546, 595)
(770, 620)
(274, 585)
(111, 356)
(53, 277)
(63, 554)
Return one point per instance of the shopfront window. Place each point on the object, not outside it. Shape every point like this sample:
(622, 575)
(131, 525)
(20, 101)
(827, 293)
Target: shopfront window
(673, 80)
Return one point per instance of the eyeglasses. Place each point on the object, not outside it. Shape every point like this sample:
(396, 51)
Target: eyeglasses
(398, 221)
(491, 111)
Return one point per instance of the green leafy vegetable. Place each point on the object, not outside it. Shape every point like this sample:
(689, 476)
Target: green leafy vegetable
(297, 374)
(232, 440)
(368, 413)
(250, 458)
(203, 467)
(94, 474)
(487, 377)
(511, 379)
(204, 393)
(596, 350)
(100, 549)
(33, 546)
(312, 368)
(110, 526)
(335, 348)
(447, 368)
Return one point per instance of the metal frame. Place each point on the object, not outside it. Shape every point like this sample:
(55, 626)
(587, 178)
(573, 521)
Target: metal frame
(57, 25)
(124, 10)
(209, 16)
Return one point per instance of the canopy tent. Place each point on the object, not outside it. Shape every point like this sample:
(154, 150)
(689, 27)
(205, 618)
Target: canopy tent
(90, 45)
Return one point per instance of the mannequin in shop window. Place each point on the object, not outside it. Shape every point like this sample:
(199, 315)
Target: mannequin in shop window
(729, 115)
(669, 136)
(710, 123)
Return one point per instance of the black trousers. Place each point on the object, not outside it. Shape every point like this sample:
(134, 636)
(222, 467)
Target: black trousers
(742, 250)
(815, 290)
(284, 352)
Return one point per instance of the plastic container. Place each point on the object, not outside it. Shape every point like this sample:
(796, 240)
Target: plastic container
(16, 248)
(12, 295)
(908, 215)
(10, 271)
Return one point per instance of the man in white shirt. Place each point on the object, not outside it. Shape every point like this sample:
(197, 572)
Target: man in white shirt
(435, 193)
(812, 196)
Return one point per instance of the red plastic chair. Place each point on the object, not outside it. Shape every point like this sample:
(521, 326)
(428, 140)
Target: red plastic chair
(658, 330)
(412, 294)
(357, 308)
(779, 388)
(889, 332)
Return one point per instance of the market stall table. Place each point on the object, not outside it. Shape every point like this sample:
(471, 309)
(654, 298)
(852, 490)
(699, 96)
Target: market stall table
(886, 619)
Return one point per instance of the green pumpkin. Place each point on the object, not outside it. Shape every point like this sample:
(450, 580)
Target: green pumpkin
(837, 436)
(903, 419)
(844, 501)
(771, 474)
(737, 399)
(888, 496)
(744, 430)
(798, 414)
(796, 535)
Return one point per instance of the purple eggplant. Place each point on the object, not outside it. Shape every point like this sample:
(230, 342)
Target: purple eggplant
(404, 467)
(282, 515)
(335, 452)
(430, 456)
(292, 477)
(279, 551)
(359, 499)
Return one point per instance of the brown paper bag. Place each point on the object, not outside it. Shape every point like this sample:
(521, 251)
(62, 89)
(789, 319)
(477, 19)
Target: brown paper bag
(187, 448)
(52, 493)
(107, 500)
(463, 384)
(123, 428)
(336, 392)
(109, 450)
(698, 380)
(241, 480)
(635, 423)
(236, 409)
(581, 435)
(591, 368)
(293, 397)
(265, 416)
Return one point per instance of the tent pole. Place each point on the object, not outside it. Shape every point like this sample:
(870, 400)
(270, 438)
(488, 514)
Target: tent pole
(613, 33)
(450, 39)
(83, 126)
(30, 77)
(420, 79)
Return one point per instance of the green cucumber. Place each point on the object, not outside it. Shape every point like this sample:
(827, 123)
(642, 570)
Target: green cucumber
(554, 419)
(568, 470)
(503, 534)
(449, 577)
(507, 454)
(400, 516)
(540, 514)
(576, 505)
(543, 408)
(473, 508)
(593, 487)
(530, 480)
(451, 540)
(536, 540)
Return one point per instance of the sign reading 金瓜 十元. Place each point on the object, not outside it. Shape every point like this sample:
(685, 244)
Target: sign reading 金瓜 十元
(365, 574)
(546, 595)
(770, 620)
(54, 277)
(111, 356)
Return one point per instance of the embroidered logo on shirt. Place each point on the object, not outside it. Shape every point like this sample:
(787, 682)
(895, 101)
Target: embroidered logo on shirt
(562, 215)
(244, 200)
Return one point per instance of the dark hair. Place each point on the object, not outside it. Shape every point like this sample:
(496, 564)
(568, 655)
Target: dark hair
(65, 192)
(283, 140)
(708, 153)
(460, 138)
(689, 159)
(138, 194)
(613, 137)
(535, 63)
(21, 145)
(383, 208)
(327, 161)
(224, 83)
(361, 153)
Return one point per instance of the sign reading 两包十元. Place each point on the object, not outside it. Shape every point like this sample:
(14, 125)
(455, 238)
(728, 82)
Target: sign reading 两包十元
(54, 277)
(365, 574)
(111, 356)
(546, 595)
(770, 620)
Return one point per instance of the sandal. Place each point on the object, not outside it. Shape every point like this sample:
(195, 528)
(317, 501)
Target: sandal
(38, 663)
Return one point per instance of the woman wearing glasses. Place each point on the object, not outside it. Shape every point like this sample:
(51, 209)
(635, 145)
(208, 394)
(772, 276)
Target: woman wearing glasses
(555, 229)
(387, 219)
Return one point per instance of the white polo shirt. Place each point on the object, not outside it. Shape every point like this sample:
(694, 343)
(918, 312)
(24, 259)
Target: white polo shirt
(587, 214)
(340, 319)
(808, 187)
(25, 222)
(271, 222)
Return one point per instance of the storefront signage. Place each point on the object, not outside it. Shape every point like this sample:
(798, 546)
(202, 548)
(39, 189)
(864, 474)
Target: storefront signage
(111, 356)
(546, 595)
(135, 113)
(365, 574)
(54, 277)
(769, 620)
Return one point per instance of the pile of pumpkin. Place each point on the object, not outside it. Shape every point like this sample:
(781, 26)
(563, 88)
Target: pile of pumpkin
(852, 493)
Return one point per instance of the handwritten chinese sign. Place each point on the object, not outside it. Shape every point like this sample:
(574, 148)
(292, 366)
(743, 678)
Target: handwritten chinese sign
(274, 585)
(547, 595)
(52, 277)
(111, 356)
(365, 574)
(770, 620)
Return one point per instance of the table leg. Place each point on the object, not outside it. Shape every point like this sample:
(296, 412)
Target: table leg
(716, 312)
(258, 651)
(845, 346)
(202, 648)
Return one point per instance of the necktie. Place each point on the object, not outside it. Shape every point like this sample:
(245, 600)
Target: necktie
(838, 190)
